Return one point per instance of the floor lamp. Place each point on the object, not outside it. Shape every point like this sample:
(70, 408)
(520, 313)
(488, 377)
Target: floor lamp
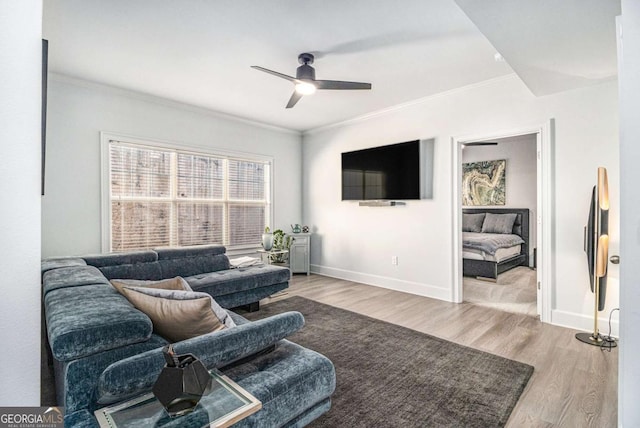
(596, 243)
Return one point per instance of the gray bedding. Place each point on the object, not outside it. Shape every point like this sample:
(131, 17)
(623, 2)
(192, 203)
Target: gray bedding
(489, 242)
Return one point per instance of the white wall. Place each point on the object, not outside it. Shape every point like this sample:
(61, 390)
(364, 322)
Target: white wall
(520, 175)
(629, 70)
(357, 243)
(20, 92)
(79, 110)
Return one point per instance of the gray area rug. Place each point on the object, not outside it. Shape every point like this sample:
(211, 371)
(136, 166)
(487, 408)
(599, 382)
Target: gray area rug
(391, 376)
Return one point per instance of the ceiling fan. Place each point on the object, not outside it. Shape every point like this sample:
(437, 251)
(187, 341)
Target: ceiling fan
(306, 83)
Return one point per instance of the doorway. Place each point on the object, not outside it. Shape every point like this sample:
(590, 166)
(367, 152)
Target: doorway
(511, 163)
(522, 289)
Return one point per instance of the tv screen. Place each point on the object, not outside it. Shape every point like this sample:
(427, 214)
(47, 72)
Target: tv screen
(382, 173)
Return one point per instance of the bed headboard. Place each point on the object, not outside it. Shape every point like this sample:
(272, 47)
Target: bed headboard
(520, 226)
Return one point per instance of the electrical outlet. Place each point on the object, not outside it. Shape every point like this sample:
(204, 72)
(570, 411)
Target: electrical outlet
(394, 260)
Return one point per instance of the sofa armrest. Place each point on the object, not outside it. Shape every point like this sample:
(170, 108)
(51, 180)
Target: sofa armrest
(137, 374)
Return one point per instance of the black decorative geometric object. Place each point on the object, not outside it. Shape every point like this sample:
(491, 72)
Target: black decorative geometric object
(182, 382)
(596, 237)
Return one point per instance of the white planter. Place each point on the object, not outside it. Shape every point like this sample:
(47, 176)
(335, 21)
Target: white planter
(267, 241)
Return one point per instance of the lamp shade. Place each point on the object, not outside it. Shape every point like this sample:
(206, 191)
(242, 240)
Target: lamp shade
(602, 257)
(597, 237)
(596, 245)
(603, 189)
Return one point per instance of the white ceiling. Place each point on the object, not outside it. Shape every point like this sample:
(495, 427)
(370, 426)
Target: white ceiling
(199, 52)
(553, 45)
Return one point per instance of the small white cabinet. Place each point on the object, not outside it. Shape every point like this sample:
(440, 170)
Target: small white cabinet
(299, 253)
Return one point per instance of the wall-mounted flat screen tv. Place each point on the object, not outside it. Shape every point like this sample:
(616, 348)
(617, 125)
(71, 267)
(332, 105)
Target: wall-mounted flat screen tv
(382, 173)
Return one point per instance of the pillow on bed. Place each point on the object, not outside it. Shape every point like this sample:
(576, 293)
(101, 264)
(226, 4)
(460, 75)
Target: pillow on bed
(472, 222)
(499, 223)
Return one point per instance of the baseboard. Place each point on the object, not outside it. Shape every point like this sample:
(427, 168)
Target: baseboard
(411, 287)
(583, 322)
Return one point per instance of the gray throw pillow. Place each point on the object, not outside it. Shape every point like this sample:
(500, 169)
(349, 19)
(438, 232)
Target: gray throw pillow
(472, 222)
(498, 223)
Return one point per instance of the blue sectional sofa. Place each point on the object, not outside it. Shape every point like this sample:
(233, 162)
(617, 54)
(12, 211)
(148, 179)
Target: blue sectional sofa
(206, 268)
(105, 351)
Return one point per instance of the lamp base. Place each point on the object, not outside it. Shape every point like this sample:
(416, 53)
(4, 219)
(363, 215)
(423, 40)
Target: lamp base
(597, 340)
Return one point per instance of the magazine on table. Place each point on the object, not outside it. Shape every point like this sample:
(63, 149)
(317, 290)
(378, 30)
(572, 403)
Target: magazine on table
(243, 262)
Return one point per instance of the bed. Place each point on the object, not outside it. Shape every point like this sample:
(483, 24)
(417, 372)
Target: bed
(490, 245)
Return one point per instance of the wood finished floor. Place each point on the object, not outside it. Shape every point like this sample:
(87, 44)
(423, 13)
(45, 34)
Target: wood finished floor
(573, 385)
(514, 291)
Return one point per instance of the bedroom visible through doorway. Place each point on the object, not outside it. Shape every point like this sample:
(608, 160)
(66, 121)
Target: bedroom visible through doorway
(499, 197)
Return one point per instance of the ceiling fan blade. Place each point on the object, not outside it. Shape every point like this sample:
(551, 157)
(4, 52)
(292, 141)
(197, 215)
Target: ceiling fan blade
(275, 73)
(480, 143)
(337, 84)
(295, 97)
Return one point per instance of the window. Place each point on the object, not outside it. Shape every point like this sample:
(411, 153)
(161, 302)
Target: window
(171, 197)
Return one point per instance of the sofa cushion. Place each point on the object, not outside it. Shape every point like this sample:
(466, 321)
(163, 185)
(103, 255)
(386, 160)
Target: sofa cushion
(247, 297)
(193, 265)
(137, 374)
(115, 259)
(235, 280)
(86, 320)
(77, 379)
(177, 283)
(178, 314)
(81, 419)
(288, 381)
(187, 261)
(168, 253)
(72, 276)
(146, 271)
(60, 262)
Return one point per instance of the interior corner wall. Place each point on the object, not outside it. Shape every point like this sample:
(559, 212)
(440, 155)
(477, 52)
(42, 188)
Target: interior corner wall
(357, 243)
(79, 111)
(20, 126)
(520, 152)
(629, 71)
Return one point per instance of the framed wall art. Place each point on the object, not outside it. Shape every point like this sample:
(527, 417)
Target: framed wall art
(483, 183)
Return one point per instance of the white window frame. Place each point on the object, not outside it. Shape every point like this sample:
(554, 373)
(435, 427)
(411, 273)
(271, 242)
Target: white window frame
(105, 196)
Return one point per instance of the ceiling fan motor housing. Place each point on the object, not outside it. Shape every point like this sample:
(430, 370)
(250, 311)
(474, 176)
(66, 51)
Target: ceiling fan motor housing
(305, 71)
(306, 58)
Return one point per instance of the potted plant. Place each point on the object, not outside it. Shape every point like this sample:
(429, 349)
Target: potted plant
(281, 241)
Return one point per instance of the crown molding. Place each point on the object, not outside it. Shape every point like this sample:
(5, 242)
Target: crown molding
(115, 90)
(76, 81)
(408, 104)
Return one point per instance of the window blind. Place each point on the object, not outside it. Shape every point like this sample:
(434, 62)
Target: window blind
(168, 197)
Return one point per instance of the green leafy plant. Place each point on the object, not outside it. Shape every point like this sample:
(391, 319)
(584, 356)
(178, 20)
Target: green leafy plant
(281, 241)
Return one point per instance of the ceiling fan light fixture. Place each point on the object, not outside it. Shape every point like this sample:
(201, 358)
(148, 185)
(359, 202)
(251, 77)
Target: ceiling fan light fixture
(305, 81)
(305, 88)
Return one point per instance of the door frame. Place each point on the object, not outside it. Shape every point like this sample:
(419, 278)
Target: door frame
(545, 135)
